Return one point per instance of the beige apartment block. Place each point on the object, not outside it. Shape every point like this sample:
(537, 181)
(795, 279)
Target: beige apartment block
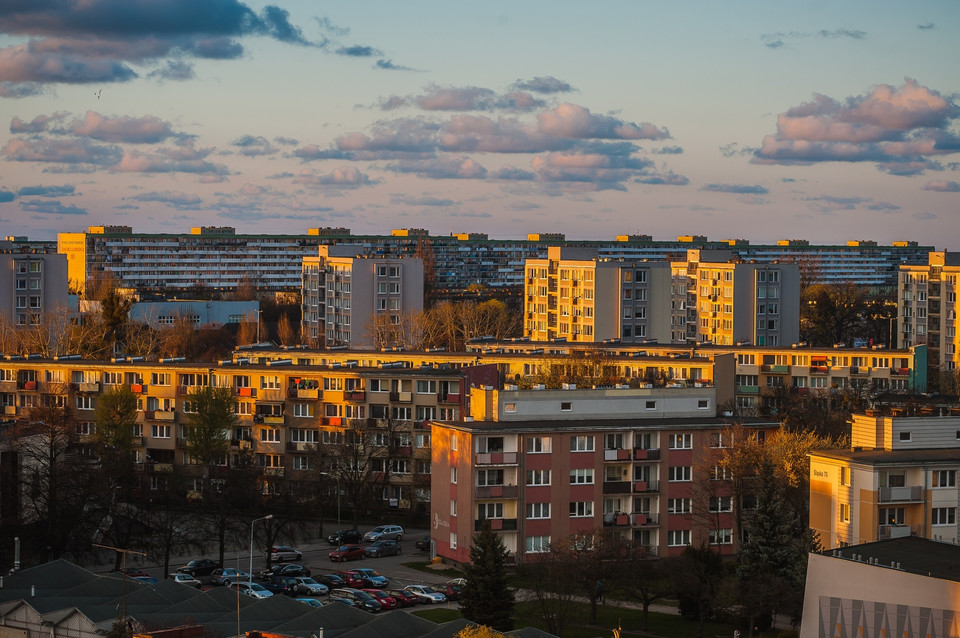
(32, 285)
(899, 478)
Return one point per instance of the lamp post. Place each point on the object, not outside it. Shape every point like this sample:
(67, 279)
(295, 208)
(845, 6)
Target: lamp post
(262, 518)
(336, 477)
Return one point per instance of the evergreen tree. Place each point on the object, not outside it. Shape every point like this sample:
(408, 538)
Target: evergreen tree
(486, 598)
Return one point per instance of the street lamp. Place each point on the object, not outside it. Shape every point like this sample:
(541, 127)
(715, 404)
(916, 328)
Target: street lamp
(337, 478)
(262, 518)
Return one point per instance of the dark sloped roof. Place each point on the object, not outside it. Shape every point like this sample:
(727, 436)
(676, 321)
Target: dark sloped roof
(392, 626)
(911, 554)
(56, 575)
(449, 629)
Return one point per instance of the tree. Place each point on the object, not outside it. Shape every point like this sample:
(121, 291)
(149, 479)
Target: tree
(478, 631)
(115, 417)
(486, 598)
(552, 581)
(697, 581)
(645, 580)
(286, 332)
(115, 310)
(212, 417)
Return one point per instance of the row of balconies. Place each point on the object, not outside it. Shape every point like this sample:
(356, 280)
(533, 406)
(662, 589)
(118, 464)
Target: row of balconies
(636, 519)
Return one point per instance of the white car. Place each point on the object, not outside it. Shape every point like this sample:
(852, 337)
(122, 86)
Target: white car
(254, 590)
(185, 579)
(426, 594)
(309, 587)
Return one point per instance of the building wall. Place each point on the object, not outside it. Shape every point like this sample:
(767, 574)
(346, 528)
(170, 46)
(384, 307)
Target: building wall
(32, 285)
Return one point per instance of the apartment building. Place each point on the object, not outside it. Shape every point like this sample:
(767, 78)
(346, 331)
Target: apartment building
(218, 258)
(344, 293)
(927, 310)
(899, 478)
(574, 295)
(32, 283)
(289, 412)
(542, 465)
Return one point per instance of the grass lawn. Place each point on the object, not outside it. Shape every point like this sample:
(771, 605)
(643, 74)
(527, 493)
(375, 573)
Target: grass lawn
(609, 617)
(420, 566)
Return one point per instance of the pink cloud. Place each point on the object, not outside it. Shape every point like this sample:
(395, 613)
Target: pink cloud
(148, 129)
(577, 122)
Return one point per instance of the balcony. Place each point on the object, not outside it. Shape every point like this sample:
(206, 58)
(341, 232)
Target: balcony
(448, 398)
(306, 393)
(616, 520)
(616, 455)
(86, 387)
(645, 487)
(775, 369)
(644, 519)
(245, 392)
(333, 420)
(886, 532)
(899, 372)
(273, 471)
(273, 420)
(355, 395)
(401, 397)
(181, 443)
(748, 389)
(497, 524)
(910, 494)
(616, 487)
(29, 386)
(496, 458)
(10, 410)
(161, 467)
(819, 370)
(300, 446)
(161, 415)
(641, 454)
(496, 491)
(138, 388)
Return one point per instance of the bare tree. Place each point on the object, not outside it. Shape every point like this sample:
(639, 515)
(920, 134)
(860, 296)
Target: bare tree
(286, 332)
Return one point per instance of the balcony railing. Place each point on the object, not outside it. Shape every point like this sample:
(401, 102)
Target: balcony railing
(161, 415)
(643, 519)
(273, 420)
(616, 487)
(273, 471)
(640, 454)
(496, 458)
(497, 524)
(616, 520)
(86, 387)
(306, 393)
(355, 395)
(616, 455)
(496, 491)
(913, 493)
(448, 398)
(245, 392)
(886, 532)
(640, 487)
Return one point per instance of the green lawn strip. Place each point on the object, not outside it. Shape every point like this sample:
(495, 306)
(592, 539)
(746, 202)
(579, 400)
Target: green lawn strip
(442, 574)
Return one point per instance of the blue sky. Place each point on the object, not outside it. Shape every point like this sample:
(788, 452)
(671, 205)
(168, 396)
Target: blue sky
(755, 120)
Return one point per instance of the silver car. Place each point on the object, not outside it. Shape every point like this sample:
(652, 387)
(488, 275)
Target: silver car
(309, 587)
(384, 532)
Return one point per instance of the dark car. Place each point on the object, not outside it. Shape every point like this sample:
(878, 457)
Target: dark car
(345, 536)
(352, 579)
(134, 572)
(383, 548)
(347, 552)
(282, 585)
(403, 598)
(284, 569)
(199, 567)
(423, 543)
(331, 580)
(451, 590)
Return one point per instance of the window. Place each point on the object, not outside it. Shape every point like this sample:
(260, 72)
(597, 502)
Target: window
(566, 406)
(678, 537)
(678, 506)
(720, 473)
(944, 478)
(453, 475)
(298, 435)
(303, 409)
(944, 515)
(537, 544)
(302, 463)
(537, 445)
(680, 441)
(453, 540)
(582, 476)
(844, 513)
(844, 476)
(721, 504)
(86, 403)
(490, 477)
(379, 385)
(888, 515)
(270, 435)
(426, 386)
(489, 510)
(510, 407)
(490, 444)
(538, 510)
(581, 444)
(904, 436)
(721, 536)
(677, 473)
(421, 440)
(538, 477)
(717, 440)
(650, 405)
(579, 509)
(158, 431)
(453, 441)
(85, 428)
(453, 507)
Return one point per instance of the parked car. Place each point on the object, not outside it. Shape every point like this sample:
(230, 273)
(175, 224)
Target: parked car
(372, 578)
(344, 536)
(426, 594)
(284, 554)
(383, 532)
(423, 543)
(284, 569)
(386, 600)
(383, 548)
(360, 598)
(307, 586)
(281, 585)
(227, 575)
(134, 572)
(254, 590)
(345, 601)
(347, 552)
(185, 579)
(403, 598)
(352, 579)
(313, 602)
(199, 567)
(451, 590)
(331, 580)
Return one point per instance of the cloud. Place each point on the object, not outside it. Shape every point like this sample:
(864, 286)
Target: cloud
(174, 70)
(829, 203)
(148, 129)
(853, 34)
(663, 179)
(252, 146)
(50, 207)
(512, 173)
(389, 65)
(441, 168)
(97, 40)
(20, 89)
(166, 161)
(668, 150)
(409, 200)
(181, 201)
(942, 186)
(343, 177)
(780, 39)
(65, 151)
(469, 98)
(47, 191)
(924, 216)
(285, 141)
(884, 207)
(897, 127)
(605, 168)
(469, 133)
(546, 84)
(735, 188)
(6, 196)
(926, 26)
(577, 122)
(358, 51)
(38, 124)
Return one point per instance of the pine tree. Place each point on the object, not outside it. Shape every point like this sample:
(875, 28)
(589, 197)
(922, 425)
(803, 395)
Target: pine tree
(486, 599)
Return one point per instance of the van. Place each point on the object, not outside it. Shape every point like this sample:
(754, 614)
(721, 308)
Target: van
(359, 598)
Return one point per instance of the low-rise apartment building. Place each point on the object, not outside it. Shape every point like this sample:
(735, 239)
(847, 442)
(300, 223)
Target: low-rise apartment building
(543, 465)
(899, 478)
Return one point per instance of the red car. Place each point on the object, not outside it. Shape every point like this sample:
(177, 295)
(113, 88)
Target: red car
(351, 579)
(451, 590)
(386, 600)
(403, 598)
(347, 552)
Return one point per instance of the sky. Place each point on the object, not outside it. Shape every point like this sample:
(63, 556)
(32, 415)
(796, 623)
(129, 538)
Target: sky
(825, 121)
